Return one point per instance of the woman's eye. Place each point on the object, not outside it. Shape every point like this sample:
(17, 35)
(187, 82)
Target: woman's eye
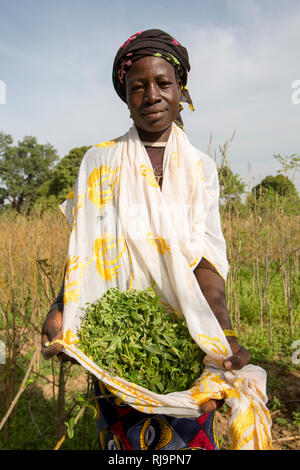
(164, 84)
(137, 87)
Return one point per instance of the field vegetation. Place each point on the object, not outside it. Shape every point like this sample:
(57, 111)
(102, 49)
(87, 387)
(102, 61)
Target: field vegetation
(49, 404)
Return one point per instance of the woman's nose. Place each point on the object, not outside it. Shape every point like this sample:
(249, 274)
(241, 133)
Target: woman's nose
(152, 94)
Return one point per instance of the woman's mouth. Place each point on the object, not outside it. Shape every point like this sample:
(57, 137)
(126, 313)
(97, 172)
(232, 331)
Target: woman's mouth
(152, 114)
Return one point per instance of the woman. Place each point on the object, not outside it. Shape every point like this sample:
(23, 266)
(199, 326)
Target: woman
(150, 75)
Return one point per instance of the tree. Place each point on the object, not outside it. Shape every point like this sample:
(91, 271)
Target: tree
(55, 190)
(65, 173)
(288, 163)
(272, 185)
(231, 186)
(23, 169)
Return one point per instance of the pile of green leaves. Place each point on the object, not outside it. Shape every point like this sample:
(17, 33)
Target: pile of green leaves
(131, 335)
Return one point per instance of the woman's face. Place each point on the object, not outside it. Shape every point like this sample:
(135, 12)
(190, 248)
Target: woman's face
(153, 95)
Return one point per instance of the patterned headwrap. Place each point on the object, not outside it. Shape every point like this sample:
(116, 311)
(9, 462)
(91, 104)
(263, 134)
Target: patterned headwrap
(156, 43)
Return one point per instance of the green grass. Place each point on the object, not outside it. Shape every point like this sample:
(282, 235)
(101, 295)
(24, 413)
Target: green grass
(31, 425)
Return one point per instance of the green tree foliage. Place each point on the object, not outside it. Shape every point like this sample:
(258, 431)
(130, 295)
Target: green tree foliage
(231, 186)
(275, 190)
(290, 163)
(272, 185)
(23, 169)
(55, 190)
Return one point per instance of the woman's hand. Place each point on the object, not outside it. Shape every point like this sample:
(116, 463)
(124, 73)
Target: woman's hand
(51, 330)
(240, 358)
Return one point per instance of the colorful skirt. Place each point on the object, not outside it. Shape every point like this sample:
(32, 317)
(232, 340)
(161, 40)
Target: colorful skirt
(121, 427)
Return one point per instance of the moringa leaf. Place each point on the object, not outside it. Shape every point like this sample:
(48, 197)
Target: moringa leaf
(131, 334)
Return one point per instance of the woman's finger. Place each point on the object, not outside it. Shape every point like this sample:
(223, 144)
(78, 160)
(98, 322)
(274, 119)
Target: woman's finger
(50, 351)
(65, 358)
(53, 349)
(51, 330)
(238, 360)
(211, 405)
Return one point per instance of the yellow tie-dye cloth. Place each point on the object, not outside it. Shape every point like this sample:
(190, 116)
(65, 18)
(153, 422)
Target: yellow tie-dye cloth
(127, 233)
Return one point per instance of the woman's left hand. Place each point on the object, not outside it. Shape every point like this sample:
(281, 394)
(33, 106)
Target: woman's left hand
(240, 358)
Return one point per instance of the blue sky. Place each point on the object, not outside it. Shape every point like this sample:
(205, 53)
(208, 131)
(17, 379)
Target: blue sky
(56, 59)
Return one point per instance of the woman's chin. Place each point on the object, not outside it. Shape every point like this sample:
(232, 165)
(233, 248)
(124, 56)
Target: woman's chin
(154, 129)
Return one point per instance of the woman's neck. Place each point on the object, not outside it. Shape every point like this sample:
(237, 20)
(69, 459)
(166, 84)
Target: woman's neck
(160, 136)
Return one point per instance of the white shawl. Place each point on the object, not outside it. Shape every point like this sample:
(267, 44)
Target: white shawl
(127, 233)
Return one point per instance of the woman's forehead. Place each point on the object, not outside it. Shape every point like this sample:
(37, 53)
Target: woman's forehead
(150, 66)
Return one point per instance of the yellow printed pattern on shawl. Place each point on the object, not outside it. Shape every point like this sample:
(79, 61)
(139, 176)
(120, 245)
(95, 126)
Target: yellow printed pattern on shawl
(194, 262)
(100, 177)
(72, 287)
(240, 427)
(149, 175)
(175, 157)
(74, 268)
(76, 207)
(250, 423)
(199, 165)
(71, 194)
(108, 143)
(70, 338)
(101, 185)
(72, 292)
(213, 344)
(159, 243)
(108, 268)
(264, 421)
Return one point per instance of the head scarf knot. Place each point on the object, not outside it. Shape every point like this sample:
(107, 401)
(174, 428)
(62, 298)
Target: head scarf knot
(156, 43)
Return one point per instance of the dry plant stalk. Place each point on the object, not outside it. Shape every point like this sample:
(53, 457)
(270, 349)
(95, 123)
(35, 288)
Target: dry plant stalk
(23, 303)
(20, 391)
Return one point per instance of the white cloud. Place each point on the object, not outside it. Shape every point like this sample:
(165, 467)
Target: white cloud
(243, 64)
(241, 79)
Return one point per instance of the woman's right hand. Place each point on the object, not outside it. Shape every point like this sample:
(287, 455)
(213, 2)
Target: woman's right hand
(51, 330)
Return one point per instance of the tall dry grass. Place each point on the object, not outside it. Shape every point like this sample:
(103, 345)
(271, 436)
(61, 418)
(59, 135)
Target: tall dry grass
(263, 242)
(32, 257)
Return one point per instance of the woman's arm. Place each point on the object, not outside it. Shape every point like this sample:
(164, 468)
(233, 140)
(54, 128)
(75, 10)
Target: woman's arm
(212, 286)
(213, 289)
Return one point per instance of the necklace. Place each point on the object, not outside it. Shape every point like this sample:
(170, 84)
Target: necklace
(155, 159)
(155, 144)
